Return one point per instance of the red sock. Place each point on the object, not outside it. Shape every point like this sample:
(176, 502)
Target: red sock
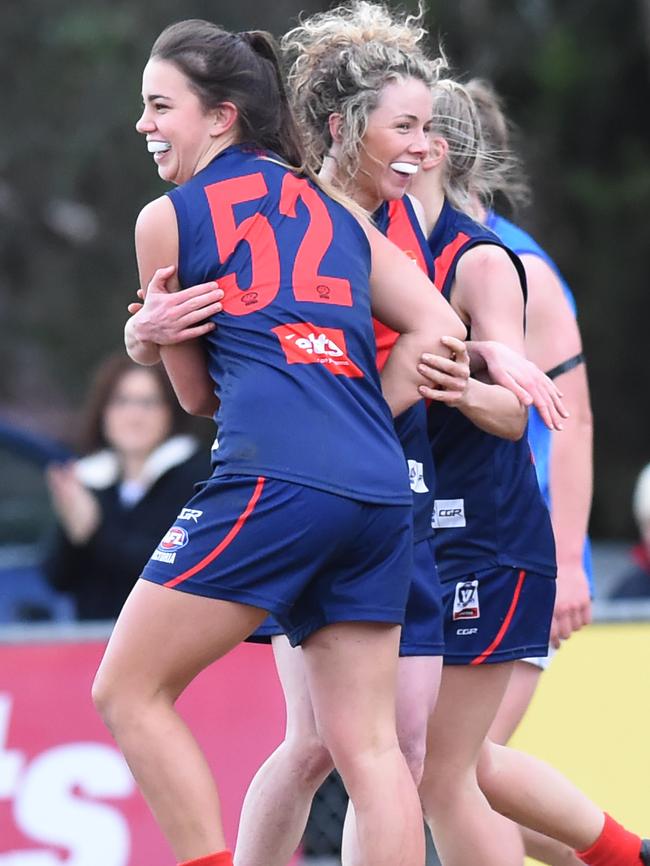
(221, 858)
(615, 846)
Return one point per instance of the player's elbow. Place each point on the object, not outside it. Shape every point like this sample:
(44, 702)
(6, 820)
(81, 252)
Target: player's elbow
(444, 323)
(201, 406)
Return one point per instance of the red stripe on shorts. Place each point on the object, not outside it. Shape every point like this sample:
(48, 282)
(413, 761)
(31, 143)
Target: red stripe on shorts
(504, 625)
(223, 544)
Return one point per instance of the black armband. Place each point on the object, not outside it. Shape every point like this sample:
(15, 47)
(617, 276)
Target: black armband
(565, 366)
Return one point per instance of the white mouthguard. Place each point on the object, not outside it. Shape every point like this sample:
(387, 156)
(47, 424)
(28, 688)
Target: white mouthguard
(158, 146)
(404, 167)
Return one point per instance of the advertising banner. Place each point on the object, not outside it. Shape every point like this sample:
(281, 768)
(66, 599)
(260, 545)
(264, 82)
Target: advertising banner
(66, 794)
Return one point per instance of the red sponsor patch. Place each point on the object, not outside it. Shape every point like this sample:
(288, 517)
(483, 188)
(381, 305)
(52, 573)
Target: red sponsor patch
(304, 343)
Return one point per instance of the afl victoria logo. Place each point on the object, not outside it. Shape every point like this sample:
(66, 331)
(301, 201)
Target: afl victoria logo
(175, 538)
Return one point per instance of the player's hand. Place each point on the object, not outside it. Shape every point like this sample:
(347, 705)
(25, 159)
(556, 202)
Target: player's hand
(77, 508)
(572, 602)
(513, 371)
(166, 317)
(446, 378)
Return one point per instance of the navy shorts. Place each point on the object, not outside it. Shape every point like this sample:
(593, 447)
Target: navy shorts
(423, 629)
(307, 556)
(497, 615)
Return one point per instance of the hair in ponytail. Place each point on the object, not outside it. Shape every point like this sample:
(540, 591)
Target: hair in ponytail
(506, 176)
(241, 68)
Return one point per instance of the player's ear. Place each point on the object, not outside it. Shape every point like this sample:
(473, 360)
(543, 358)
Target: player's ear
(335, 124)
(438, 150)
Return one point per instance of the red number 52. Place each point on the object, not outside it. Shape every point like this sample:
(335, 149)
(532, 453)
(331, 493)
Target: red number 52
(307, 283)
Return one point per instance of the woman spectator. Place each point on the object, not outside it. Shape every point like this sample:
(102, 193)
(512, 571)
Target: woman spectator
(114, 504)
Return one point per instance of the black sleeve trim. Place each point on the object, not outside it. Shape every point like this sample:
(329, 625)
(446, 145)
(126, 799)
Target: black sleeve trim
(565, 366)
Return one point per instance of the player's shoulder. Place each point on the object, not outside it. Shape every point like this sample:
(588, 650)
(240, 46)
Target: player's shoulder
(156, 216)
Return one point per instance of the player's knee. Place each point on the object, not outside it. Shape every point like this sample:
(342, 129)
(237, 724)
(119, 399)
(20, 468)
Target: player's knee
(442, 784)
(110, 701)
(310, 759)
(413, 746)
(103, 697)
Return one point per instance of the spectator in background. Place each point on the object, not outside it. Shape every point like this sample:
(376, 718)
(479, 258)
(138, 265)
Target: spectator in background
(635, 580)
(114, 504)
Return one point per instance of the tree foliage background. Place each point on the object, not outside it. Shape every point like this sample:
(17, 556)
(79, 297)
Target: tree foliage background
(74, 174)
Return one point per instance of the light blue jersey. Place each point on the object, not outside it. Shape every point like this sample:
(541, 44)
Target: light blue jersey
(539, 436)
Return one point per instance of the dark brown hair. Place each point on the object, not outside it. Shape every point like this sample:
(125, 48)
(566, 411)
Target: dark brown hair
(242, 68)
(102, 387)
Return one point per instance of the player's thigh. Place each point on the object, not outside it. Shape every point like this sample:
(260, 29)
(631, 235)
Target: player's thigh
(164, 637)
(467, 704)
(519, 694)
(290, 664)
(352, 675)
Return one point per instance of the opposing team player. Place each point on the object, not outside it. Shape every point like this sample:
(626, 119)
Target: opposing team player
(308, 514)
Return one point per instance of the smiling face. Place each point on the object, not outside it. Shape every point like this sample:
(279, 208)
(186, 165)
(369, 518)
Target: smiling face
(182, 137)
(395, 143)
(137, 417)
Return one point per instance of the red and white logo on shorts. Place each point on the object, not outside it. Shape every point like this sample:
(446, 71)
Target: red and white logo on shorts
(466, 605)
(304, 343)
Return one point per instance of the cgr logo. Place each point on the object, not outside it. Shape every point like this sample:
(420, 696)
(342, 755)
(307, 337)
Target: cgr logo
(192, 514)
(448, 513)
(304, 343)
(466, 631)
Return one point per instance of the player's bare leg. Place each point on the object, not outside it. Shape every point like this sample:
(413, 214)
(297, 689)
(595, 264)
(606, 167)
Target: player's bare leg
(277, 803)
(161, 641)
(418, 682)
(352, 676)
(465, 828)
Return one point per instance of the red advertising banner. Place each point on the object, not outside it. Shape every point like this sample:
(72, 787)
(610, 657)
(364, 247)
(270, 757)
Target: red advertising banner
(66, 794)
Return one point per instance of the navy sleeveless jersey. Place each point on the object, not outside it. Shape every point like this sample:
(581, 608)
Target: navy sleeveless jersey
(399, 222)
(293, 353)
(539, 436)
(489, 510)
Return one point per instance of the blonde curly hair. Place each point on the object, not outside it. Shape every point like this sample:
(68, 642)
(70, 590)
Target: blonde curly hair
(339, 62)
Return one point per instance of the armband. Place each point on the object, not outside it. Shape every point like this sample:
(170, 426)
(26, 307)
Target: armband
(565, 366)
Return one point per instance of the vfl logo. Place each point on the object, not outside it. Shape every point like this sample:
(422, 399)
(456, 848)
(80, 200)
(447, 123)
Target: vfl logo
(448, 512)
(323, 292)
(304, 343)
(416, 477)
(190, 514)
(466, 604)
(175, 538)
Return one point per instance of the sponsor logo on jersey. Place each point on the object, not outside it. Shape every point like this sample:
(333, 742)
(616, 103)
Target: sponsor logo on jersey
(416, 477)
(192, 514)
(466, 605)
(304, 343)
(175, 538)
(448, 512)
(466, 631)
